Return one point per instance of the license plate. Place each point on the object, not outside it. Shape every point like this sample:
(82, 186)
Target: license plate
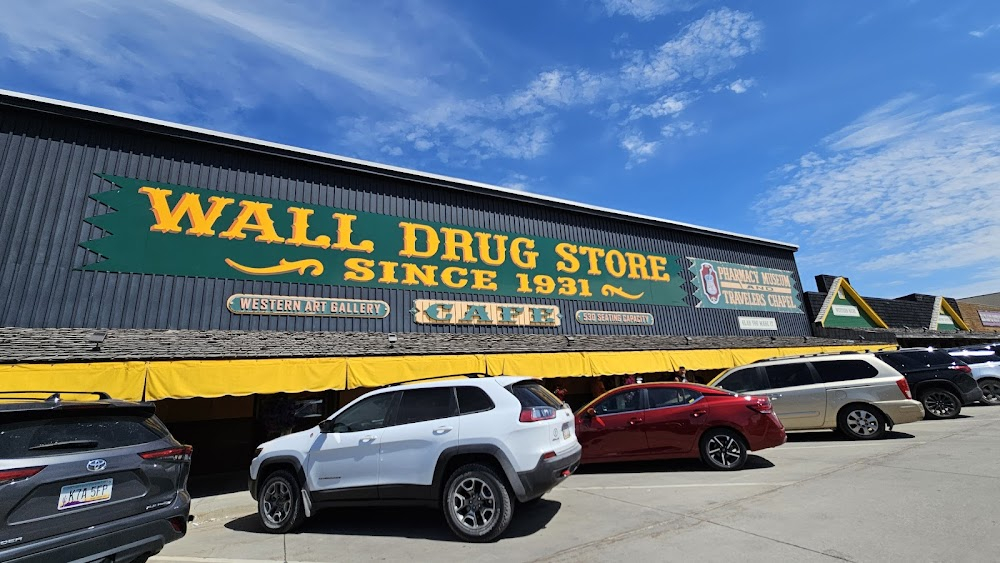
(72, 496)
(566, 431)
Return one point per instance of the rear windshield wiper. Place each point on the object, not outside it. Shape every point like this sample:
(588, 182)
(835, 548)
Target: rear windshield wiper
(66, 444)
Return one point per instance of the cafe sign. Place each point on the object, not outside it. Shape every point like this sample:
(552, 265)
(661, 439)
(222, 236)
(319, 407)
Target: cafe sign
(724, 285)
(251, 304)
(157, 228)
(431, 311)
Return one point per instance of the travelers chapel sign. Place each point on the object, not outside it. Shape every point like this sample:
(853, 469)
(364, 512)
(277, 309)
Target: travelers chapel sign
(157, 228)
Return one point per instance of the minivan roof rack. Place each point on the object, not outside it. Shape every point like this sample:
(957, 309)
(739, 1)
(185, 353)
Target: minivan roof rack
(468, 375)
(820, 355)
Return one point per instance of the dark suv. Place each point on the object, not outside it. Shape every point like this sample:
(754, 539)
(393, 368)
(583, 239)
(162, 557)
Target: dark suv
(941, 382)
(91, 480)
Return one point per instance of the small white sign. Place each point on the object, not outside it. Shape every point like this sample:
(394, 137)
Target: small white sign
(846, 311)
(945, 319)
(990, 318)
(758, 323)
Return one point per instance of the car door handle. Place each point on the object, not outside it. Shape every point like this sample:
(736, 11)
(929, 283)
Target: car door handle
(442, 430)
(698, 413)
(634, 421)
(368, 439)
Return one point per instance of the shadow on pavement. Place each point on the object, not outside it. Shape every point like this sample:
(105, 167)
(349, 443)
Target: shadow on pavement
(666, 466)
(834, 436)
(422, 523)
(219, 484)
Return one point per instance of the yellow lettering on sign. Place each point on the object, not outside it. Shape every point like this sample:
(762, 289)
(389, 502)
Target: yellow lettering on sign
(527, 260)
(636, 266)
(388, 272)
(344, 232)
(614, 261)
(262, 223)
(484, 248)
(431, 243)
(592, 254)
(300, 228)
(484, 280)
(455, 240)
(415, 274)
(359, 269)
(447, 277)
(168, 220)
(657, 265)
(569, 262)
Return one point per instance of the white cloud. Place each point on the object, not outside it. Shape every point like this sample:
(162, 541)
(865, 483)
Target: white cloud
(666, 106)
(645, 10)
(910, 190)
(742, 85)
(638, 148)
(980, 33)
(521, 182)
(682, 129)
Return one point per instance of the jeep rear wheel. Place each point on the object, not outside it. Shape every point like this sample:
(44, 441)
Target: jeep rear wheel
(279, 503)
(477, 504)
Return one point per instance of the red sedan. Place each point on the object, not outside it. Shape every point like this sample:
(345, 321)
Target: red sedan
(677, 420)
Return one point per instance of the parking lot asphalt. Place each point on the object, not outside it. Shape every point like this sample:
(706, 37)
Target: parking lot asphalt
(930, 492)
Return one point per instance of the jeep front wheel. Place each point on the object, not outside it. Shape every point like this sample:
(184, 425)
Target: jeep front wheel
(279, 503)
(476, 504)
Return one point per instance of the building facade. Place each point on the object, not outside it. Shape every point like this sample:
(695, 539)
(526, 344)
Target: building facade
(161, 262)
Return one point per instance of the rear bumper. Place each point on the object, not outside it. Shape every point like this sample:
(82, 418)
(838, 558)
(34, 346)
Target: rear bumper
(902, 412)
(547, 474)
(773, 435)
(121, 540)
(972, 396)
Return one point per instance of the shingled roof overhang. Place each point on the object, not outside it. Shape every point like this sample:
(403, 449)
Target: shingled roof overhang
(135, 122)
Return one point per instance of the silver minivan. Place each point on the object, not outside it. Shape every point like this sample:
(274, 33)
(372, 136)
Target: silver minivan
(858, 394)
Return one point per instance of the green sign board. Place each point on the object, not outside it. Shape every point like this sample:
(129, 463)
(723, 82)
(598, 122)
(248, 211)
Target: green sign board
(724, 285)
(157, 228)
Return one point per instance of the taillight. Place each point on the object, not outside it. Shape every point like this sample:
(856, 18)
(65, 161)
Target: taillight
(534, 414)
(760, 404)
(11, 475)
(904, 387)
(180, 453)
(963, 369)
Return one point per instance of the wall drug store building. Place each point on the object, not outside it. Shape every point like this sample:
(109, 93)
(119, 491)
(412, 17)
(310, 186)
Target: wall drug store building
(209, 272)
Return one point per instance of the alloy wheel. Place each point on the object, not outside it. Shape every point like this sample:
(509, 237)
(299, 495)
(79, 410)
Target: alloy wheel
(940, 404)
(724, 450)
(277, 500)
(474, 503)
(991, 392)
(862, 423)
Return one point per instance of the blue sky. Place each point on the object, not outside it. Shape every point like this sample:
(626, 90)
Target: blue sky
(866, 132)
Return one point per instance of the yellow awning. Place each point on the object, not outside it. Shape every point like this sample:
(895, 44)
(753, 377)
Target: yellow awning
(379, 371)
(623, 363)
(558, 364)
(183, 379)
(122, 380)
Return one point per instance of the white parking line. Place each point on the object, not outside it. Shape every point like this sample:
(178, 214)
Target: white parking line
(853, 445)
(182, 559)
(684, 486)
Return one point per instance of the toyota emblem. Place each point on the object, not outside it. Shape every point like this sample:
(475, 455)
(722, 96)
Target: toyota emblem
(96, 465)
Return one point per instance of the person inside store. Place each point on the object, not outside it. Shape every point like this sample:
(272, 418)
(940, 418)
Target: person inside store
(681, 375)
(560, 391)
(630, 380)
(597, 387)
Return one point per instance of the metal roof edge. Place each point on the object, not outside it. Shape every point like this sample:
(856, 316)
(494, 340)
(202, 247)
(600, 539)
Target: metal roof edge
(449, 181)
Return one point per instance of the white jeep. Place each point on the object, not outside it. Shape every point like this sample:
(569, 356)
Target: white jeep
(473, 447)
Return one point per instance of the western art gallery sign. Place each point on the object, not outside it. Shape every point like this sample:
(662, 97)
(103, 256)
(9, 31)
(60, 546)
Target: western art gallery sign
(157, 228)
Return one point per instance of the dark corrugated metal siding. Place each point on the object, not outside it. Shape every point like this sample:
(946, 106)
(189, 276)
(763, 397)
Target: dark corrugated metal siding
(47, 166)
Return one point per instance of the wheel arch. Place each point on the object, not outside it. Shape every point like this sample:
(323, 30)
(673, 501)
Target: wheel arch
(486, 454)
(277, 463)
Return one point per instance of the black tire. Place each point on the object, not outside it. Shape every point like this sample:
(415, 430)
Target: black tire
(861, 422)
(476, 503)
(279, 503)
(940, 403)
(991, 391)
(723, 450)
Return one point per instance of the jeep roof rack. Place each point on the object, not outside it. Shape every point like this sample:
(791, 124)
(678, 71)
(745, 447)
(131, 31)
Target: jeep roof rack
(467, 375)
(820, 355)
(50, 396)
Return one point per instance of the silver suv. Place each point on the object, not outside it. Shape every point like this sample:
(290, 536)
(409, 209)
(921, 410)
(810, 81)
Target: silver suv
(99, 480)
(984, 361)
(858, 394)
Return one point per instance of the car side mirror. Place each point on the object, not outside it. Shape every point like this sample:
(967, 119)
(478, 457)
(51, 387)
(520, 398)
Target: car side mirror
(326, 426)
(590, 413)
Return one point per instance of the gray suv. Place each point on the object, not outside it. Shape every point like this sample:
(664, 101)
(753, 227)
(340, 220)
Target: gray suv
(88, 480)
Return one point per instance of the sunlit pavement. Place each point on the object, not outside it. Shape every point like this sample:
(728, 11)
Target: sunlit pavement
(929, 493)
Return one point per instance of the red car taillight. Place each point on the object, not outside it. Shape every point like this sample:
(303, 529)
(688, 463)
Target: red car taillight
(534, 414)
(904, 387)
(963, 368)
(180, 453)
(760, 404)
(11, 475)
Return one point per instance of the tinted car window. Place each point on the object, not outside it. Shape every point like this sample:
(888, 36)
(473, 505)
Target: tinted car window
(368, 414)
(789, 375)
(976, 356)
(625, 401)
(418, 405)
(916, 359)
(533, 394)
(743, 381)
(844, 370)
(36, 438)
(671, 397)
(473, 399)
